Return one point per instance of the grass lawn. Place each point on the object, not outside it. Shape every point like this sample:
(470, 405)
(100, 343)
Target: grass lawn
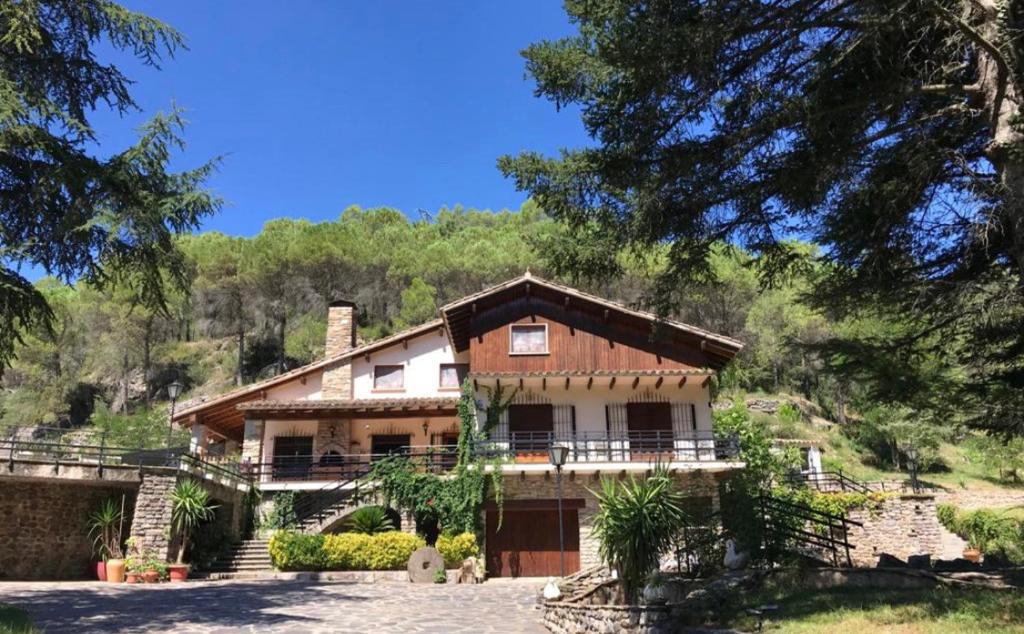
(875, 611)
(15, 621)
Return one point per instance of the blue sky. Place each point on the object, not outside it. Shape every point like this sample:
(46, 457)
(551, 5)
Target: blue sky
(318, 105)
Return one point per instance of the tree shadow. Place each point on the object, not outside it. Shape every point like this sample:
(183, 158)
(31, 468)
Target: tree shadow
(96, 608)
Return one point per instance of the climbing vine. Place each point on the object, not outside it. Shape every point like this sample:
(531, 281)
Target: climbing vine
(453, 501)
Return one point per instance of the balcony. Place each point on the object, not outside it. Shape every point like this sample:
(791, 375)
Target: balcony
(631, 446)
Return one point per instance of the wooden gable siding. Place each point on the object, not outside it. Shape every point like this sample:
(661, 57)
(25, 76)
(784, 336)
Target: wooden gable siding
(576, 341)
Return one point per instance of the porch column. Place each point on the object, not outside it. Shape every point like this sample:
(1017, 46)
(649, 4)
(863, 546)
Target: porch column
(252, 442)
(197, 443)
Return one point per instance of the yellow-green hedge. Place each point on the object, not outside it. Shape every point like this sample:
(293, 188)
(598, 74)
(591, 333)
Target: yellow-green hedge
(346, 551)
(457, 548)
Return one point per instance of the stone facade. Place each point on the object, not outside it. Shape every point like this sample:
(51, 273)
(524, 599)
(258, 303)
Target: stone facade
(903, 525)
(45, 532)
(252, 442)
(572, 618)
(545, 487)
(332, 435)
(337, 381)
(341, 337)
(151, 527)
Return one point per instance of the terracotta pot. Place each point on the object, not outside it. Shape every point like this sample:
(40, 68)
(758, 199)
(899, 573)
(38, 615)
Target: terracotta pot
(151, 576)
(131, 577)
(178, 572)
(115, 570)
(101, 570)
(972, 555)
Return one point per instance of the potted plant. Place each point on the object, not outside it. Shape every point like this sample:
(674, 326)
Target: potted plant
(154, 570)
(132, 569)
(190, 506)
(105, 530)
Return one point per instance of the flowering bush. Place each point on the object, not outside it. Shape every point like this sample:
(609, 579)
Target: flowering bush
(345, 551)
(457, 548)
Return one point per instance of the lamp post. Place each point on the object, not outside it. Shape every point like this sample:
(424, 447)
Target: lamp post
(912, 459)
(557, 454)
(173, 391)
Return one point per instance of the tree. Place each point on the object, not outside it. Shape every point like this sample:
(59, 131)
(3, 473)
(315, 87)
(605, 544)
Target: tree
(63, 208)
(419, 304)
(886, 133)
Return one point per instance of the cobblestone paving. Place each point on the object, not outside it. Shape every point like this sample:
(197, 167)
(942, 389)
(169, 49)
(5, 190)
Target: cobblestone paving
(279, 607)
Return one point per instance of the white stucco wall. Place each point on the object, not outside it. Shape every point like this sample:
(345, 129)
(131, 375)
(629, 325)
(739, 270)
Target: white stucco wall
(296, 390)
(590, 404)
(275, 428)
(422, 360)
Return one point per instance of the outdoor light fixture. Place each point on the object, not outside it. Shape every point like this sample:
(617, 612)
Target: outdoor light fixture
(425, 427)
(173, 391)
(558, 455)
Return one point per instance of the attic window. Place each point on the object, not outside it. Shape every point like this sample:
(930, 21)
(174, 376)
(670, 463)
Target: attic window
(453, 374)
(388, 377)
(528, 339)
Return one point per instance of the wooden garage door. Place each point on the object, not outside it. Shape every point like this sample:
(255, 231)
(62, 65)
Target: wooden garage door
(527, 544)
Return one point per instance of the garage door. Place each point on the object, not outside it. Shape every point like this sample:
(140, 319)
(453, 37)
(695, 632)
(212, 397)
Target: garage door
(527, 544)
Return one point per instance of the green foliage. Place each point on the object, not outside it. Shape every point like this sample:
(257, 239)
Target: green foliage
(143, 428)
(105, 219)
(635, 524)
(762, 463)
(345, 551)
(454, 501)
(370, 520)
(440, 576)
(995, 532)
(282, 512)
(1004, 458)
(105, 525)
(457, 548)
(190, 507)
(15, 621)
(726, 122)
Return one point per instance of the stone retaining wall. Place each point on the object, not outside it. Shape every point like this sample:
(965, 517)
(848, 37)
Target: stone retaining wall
(903, 525)
(571, 618)
(45, 529)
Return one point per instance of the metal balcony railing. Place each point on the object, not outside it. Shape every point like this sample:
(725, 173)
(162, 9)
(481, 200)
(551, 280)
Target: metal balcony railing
(630, 446)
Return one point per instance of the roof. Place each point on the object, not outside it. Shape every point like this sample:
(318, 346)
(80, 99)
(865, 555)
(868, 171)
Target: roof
(411, 405)
(325, 363)
(457, 315)
(583, 373)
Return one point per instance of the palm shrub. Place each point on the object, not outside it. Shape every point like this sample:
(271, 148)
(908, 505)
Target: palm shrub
(105, 530)
(190, 506)
(636, 523)
(370, 520)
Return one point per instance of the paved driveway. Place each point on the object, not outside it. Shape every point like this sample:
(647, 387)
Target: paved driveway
(278, 606)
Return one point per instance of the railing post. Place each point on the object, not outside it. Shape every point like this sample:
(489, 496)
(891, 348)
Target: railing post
(10, 456)
(103, 446)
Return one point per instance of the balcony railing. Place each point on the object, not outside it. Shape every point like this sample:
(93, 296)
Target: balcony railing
(307, 468)
(630, 446)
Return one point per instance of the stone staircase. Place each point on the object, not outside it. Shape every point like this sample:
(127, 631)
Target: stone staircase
(245, 558)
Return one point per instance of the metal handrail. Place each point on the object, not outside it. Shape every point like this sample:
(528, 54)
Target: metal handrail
(808, 518)
(628, 446)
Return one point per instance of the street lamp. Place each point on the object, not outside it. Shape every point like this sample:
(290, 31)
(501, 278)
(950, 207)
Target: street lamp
(173, 391)
(558, 454)
(913, 466)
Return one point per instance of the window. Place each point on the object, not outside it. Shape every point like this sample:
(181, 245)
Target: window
(453, 374)
(388, 377)
(529, 339)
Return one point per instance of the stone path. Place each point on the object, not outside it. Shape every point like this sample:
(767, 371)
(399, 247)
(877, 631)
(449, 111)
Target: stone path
(213, 607)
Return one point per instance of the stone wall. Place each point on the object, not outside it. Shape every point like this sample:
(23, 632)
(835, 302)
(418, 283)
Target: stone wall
(544, 487)
(337, 381)
(903, 525)
(252, 442)
(332, 435)
(151, 527)
(45, 532)
(571, 618)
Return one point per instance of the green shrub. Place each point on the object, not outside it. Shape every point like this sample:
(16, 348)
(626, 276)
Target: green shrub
(391, 551)
(457, 548)
(995, 532)
(348, 551)
(282, 513)
(371, 520)
(297, 551)
(345, 551)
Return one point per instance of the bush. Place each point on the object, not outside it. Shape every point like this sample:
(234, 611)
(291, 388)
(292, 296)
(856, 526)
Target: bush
(995, 532)
(457, 548)
(297, 551)
(345, 551)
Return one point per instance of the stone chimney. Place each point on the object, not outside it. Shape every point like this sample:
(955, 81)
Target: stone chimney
(341, 327)
(341, 337)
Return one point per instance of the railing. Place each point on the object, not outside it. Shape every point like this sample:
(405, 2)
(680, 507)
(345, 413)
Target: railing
(632, 446)
(788, 526)
(834, 481)
(343, 467)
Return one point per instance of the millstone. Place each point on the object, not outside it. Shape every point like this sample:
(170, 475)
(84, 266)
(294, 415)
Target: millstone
(424, 564)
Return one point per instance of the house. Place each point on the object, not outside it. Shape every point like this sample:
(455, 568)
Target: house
(619, 387)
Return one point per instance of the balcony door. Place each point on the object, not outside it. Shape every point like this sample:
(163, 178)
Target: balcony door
(293, 457)
(650, 428)
(531, 428)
